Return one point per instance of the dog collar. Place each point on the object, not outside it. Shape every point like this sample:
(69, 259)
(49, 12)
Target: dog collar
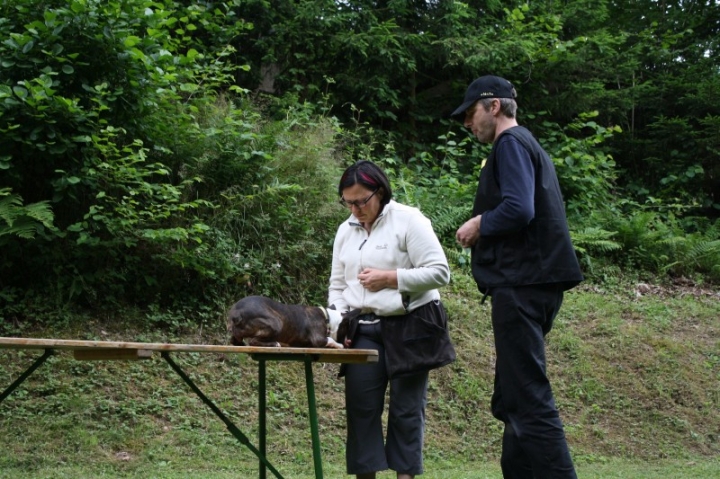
(334, 318)
(327, 319)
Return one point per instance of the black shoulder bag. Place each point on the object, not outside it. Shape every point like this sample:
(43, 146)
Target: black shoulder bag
(417, 341)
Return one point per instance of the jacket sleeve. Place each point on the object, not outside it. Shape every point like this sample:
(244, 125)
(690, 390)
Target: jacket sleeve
(430, 266)
(516, 176)
(337, 278)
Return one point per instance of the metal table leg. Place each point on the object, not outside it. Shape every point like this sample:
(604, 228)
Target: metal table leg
(26, 374)
(231, 427)
(308, 359)
(262, 406)
(262, 414)
(312, 411)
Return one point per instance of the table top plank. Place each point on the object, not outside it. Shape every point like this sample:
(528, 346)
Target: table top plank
(326, 355)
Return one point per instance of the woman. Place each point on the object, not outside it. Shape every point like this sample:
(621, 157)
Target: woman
(388, 262)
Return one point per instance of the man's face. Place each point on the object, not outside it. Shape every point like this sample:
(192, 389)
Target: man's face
(482, 123)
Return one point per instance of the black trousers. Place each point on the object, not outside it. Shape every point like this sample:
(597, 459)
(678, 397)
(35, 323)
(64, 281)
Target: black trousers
(365, 386)
(534, 444)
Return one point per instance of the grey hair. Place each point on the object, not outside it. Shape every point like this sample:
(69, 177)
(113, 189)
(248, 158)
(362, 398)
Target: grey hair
(508, 106)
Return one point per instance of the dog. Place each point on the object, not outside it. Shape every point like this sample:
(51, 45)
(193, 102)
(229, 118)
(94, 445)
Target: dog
(261, 321)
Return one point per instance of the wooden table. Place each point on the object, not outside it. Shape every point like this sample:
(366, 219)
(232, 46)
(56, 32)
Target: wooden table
(109, 350)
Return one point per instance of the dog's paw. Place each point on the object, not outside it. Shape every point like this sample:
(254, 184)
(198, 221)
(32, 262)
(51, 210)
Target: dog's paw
(331, 343)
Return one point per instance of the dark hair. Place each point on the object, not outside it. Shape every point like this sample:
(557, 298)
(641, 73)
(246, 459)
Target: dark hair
(370, 176)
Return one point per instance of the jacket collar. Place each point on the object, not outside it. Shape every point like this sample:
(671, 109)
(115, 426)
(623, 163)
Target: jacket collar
(354, 221)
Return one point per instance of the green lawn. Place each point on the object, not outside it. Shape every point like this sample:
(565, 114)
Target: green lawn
(613, 469)
(637, 381)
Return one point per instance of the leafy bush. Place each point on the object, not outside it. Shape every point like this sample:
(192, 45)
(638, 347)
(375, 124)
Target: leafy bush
(134, 169)
(89, 96)
(586, 171)
(284, 222)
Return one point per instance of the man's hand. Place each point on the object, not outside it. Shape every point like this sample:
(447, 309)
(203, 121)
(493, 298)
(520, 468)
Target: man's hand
(468, 234)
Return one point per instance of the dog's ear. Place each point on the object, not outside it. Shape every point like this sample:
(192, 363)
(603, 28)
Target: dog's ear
(342, 331)
(348, 325)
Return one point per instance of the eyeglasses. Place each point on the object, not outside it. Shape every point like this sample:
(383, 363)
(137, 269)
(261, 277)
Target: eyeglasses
(357, 203)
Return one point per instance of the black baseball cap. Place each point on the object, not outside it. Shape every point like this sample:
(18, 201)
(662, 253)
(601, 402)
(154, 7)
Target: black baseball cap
(488, 86)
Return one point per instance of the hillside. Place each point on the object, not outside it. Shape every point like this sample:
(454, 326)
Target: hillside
(636, 375)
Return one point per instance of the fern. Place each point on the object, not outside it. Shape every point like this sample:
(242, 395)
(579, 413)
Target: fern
(446, 220)
(637, 230)
(22, 220)
(594, 239)
(702, 256)
(459, 257)
(714, 230)
(703, 250)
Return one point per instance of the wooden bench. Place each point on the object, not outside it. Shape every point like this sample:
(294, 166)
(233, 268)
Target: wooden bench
(111, 350)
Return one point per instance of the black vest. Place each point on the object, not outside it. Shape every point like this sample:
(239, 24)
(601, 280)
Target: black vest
(539, 253)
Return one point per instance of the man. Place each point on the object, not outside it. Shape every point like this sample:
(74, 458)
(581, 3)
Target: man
(523, 259)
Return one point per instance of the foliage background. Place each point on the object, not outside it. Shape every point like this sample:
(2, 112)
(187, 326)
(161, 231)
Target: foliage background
(172, 156)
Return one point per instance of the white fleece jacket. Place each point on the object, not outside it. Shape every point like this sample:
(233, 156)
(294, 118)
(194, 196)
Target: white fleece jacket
(401, 238)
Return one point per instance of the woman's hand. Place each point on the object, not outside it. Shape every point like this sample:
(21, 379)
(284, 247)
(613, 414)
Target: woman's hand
(377, 279)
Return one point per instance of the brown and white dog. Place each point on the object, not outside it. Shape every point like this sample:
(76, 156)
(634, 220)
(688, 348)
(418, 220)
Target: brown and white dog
(261, 321)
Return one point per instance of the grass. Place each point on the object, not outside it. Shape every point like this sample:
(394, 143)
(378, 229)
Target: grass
(637, 380)
(614, 469)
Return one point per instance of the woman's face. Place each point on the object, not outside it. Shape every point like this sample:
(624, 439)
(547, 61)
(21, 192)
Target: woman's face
(364, 203)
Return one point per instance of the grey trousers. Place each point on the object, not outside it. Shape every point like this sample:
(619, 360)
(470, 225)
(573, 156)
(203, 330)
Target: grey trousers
(365, 386)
